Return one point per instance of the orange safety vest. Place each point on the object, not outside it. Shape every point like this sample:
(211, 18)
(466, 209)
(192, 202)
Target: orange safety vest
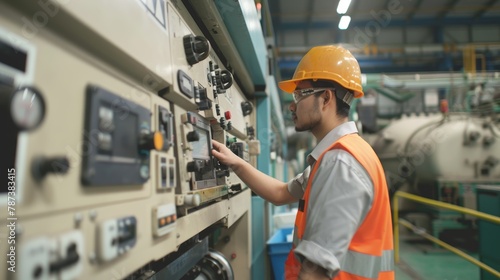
(370, 253)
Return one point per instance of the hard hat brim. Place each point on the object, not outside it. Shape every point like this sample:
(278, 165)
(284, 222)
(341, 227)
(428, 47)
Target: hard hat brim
(289, 86)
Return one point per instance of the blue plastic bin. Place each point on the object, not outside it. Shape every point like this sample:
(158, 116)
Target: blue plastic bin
(278, 249)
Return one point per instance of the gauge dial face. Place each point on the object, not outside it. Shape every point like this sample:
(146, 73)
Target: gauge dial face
(27, 108)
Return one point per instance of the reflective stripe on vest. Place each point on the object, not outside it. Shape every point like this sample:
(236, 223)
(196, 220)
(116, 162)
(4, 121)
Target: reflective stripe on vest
(368, 261)
(367, 265)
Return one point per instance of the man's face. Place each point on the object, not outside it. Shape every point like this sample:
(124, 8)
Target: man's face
(306, 112)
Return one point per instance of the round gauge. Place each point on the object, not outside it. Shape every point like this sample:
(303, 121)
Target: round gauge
(27, 108)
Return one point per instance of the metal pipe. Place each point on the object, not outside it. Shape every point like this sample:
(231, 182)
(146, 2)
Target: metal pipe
(448, 247)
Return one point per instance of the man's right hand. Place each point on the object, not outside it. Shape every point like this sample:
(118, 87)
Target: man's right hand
(225, 155)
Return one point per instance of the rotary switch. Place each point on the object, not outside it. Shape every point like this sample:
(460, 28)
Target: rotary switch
(224, 80)
(24, 108)
(193, 136)
(196, 48)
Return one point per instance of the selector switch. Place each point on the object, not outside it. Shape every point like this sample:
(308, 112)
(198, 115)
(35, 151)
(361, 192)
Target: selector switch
(220, 79)
(196, 48)
(224, 80)
(115, 237)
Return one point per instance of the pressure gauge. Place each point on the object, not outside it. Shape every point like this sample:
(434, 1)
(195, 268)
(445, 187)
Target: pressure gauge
(27, 108)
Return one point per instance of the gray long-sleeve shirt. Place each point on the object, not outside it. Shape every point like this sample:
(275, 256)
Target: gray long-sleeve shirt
(341, 196)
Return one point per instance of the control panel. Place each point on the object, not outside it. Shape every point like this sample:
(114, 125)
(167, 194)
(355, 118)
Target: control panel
(108, 143)
(119, 140)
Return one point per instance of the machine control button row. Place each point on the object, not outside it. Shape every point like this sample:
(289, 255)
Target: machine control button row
(164, 219)
(55, 257)
(115, 237)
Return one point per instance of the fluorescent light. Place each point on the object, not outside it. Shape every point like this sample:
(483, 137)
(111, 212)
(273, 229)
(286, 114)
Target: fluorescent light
(344, 22)
(343, 6)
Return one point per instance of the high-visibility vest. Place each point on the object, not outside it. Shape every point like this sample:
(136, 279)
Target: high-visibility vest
(370, 252)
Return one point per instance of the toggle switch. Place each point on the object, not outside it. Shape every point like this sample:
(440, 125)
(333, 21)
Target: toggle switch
(42, 166)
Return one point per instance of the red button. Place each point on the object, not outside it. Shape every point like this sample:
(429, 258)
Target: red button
(227, 114)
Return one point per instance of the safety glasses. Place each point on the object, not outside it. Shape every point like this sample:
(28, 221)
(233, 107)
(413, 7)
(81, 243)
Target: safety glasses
(300, 94)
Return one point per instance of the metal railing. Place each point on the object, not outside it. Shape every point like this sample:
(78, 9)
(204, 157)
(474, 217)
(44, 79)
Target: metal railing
(478, 214)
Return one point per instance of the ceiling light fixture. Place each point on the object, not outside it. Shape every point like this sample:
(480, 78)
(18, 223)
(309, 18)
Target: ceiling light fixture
(344, 22)
(343, 6)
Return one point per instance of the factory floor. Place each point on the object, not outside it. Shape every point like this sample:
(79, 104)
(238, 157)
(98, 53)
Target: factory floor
(421, 260)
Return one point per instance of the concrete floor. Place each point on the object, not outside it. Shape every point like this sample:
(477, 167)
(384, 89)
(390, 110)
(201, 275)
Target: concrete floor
(420, 260)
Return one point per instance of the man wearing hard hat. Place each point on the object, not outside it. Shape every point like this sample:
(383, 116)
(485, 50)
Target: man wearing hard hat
(343, 228)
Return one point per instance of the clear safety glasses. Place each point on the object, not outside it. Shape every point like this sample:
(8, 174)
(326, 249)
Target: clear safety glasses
(300, 94)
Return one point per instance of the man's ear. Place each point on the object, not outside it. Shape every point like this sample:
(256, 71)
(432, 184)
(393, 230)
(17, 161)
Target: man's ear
(328, 96)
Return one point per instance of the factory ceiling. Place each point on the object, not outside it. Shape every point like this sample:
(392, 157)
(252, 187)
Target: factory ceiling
(390, 36)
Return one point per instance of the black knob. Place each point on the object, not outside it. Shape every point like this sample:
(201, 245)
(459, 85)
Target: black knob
(42, 166)
(193, 136)
(196, 48)
(194, 166)
(235, 187)
(246, 108)
(229, 125)
(224, 80)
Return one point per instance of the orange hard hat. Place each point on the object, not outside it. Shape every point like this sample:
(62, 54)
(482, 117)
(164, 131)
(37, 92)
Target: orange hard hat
(333, 63)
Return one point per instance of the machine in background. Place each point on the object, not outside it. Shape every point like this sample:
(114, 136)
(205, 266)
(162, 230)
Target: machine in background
(439, 144)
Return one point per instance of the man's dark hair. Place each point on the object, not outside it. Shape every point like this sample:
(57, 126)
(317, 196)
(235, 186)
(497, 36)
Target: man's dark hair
(342, 107)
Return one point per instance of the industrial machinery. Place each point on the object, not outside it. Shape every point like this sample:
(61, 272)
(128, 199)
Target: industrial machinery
(109, 109)
(442, 155)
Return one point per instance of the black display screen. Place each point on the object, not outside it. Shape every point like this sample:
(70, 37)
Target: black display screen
(13, 57)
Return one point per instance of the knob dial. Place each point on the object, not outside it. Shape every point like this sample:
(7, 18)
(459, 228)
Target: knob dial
(224, 80)
(27, 108)
(196, 48)
(193, 136)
